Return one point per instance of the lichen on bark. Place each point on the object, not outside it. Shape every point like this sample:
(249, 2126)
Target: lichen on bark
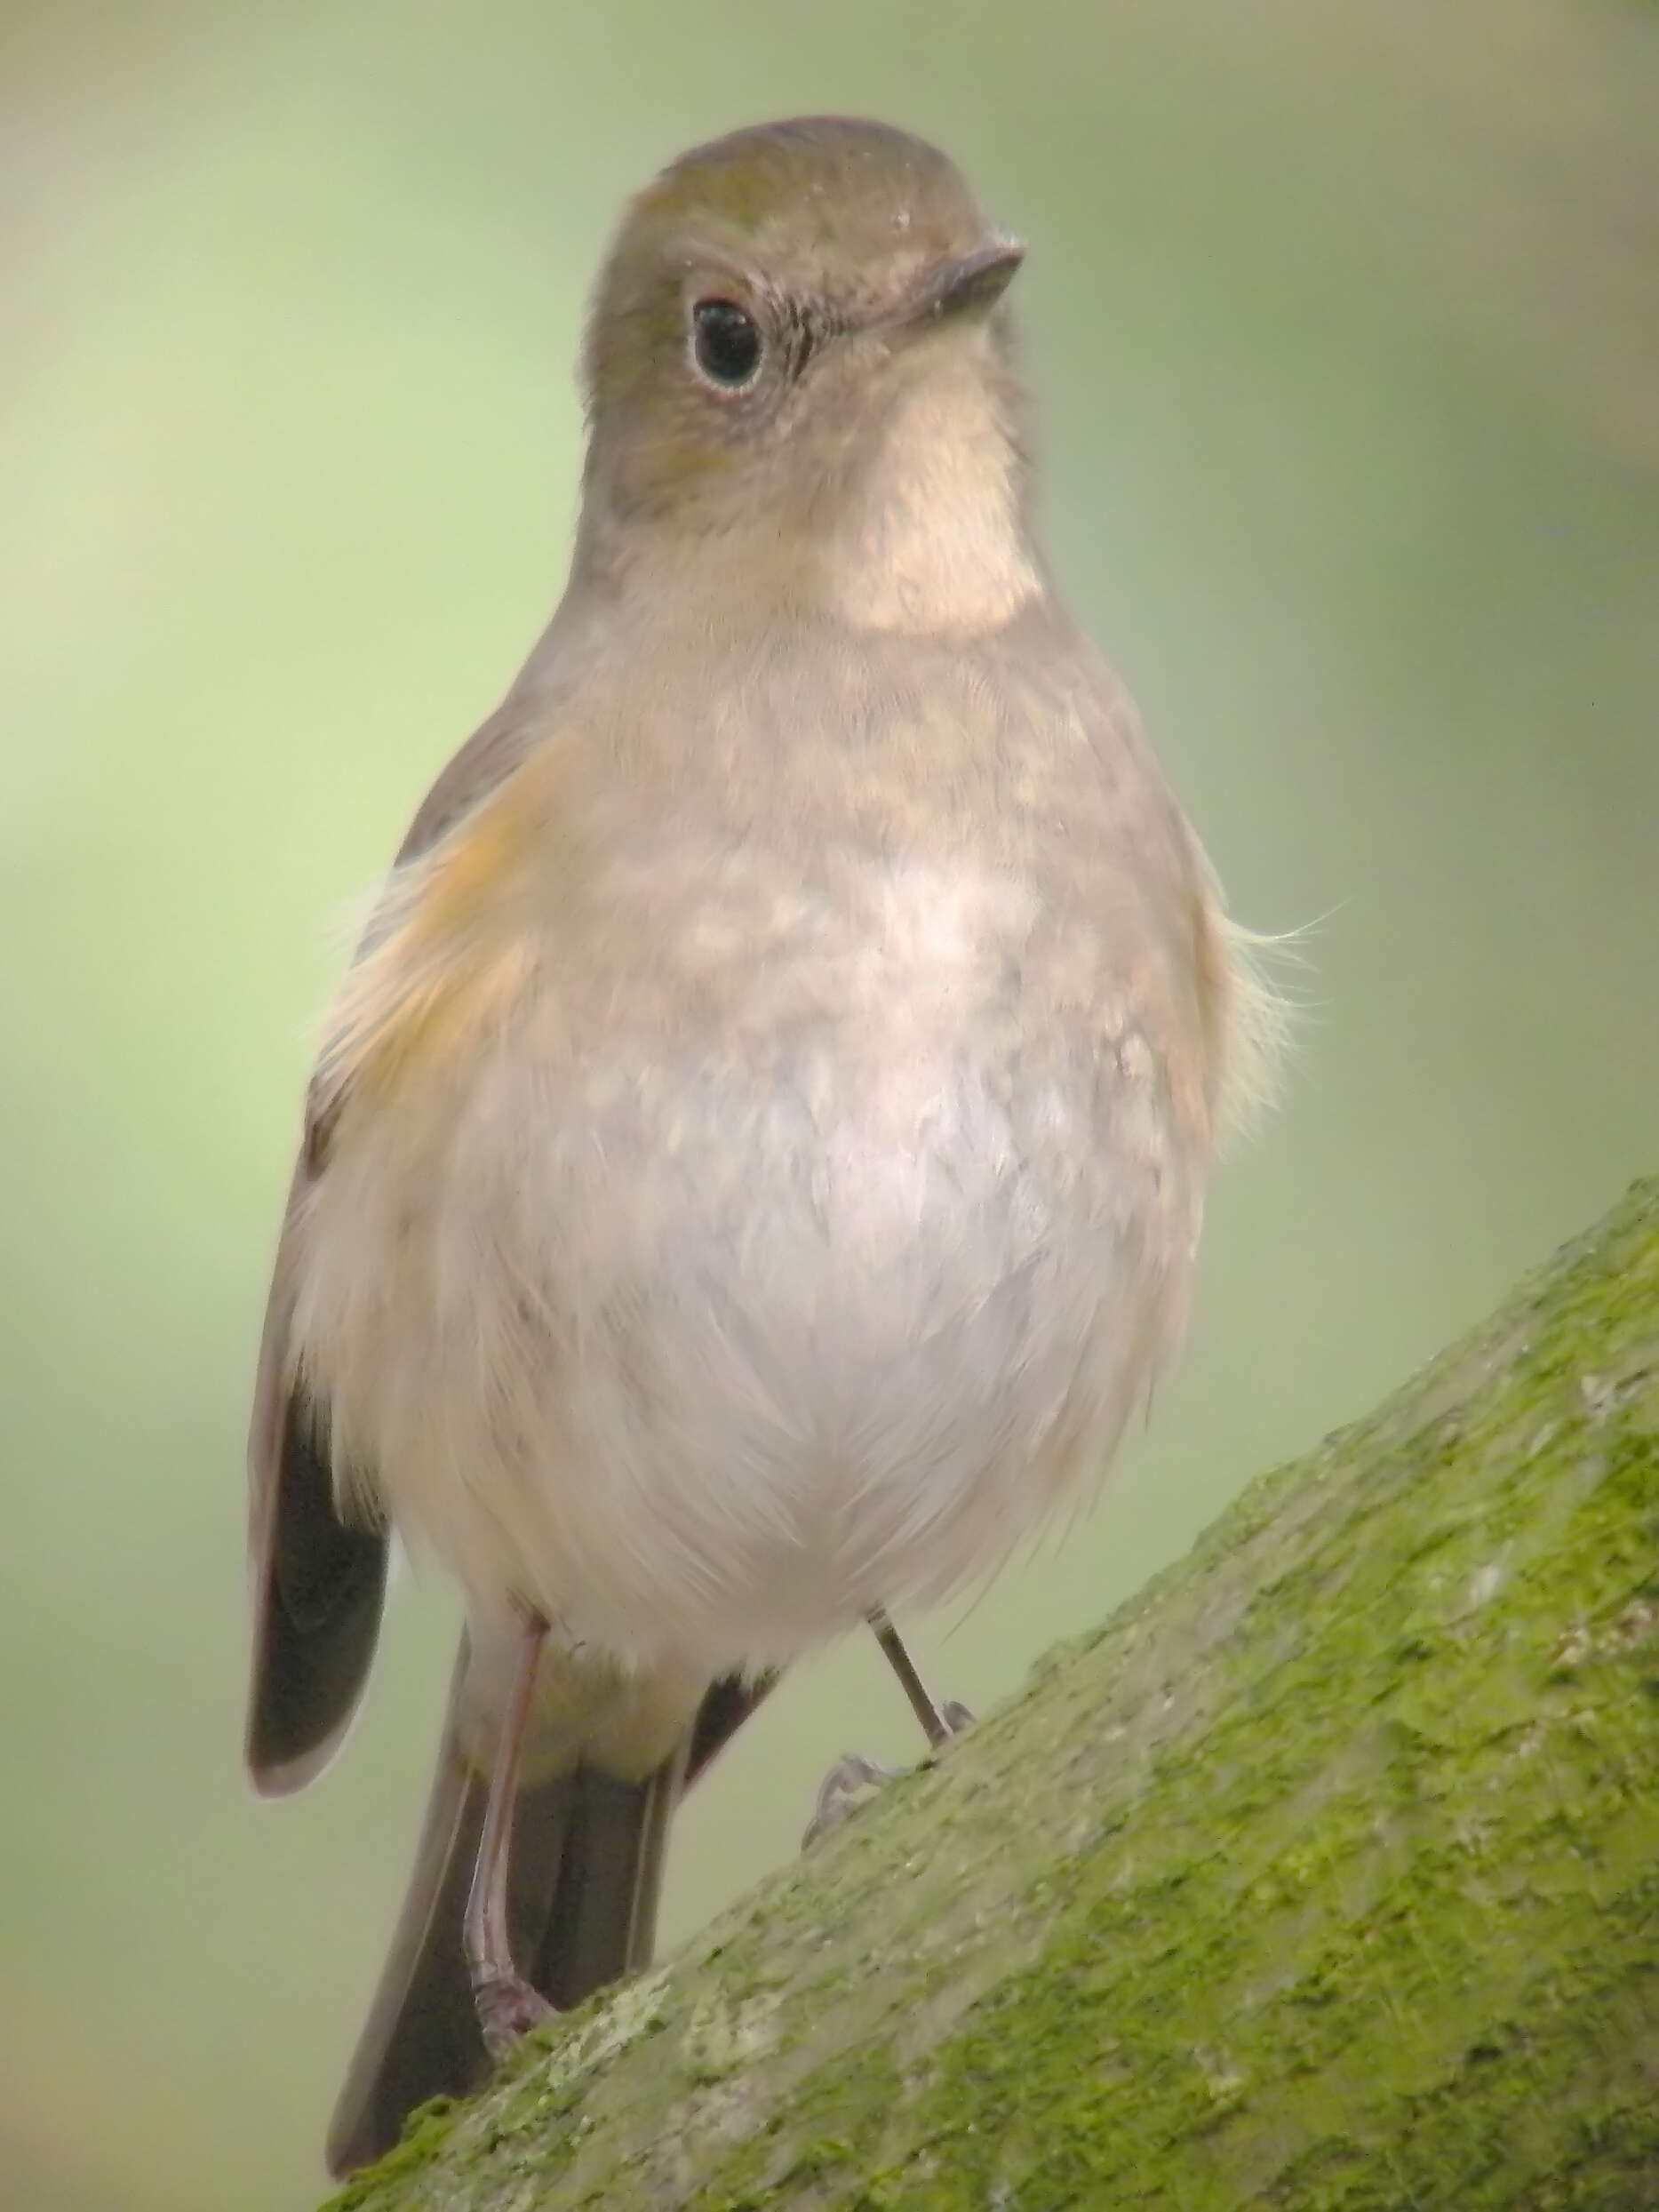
(1325, 1876)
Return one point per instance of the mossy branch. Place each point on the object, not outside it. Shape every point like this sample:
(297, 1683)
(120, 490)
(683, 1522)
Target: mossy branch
(1325, 1875)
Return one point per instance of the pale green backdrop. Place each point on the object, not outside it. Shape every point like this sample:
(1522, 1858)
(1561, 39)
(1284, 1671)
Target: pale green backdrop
(1344, 323)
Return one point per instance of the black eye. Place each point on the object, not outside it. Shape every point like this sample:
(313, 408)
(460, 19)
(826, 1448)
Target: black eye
(725, 343)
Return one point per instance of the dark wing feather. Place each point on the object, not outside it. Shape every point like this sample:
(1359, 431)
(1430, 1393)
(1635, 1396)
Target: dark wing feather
(316, 1618)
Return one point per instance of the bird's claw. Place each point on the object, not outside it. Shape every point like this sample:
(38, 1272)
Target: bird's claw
(508, 2008)
(849, 1785)
(852, 1781)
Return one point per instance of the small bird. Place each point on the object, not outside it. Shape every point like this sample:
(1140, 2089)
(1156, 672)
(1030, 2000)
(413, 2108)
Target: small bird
(754, 1162)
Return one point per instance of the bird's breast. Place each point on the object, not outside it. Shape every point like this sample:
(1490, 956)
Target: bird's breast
(781, 1243)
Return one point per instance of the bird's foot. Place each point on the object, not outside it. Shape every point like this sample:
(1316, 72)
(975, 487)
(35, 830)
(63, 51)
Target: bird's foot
(853, 1781)
(848, 1785)
(507, 2007)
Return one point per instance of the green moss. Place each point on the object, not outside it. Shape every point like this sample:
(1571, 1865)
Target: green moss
(425, 2133)
(1325, 1876)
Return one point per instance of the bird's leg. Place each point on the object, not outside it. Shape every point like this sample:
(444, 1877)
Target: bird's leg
(507, 2006)
(843, 1787)
(938, 1722)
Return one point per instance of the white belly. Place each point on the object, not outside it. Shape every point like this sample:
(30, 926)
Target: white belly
(708, 1352)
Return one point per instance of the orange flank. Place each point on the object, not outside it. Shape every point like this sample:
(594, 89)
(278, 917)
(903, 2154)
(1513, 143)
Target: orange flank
(447, 957)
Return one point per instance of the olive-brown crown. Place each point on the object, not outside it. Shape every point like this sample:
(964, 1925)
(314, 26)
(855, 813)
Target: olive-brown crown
(754, 292)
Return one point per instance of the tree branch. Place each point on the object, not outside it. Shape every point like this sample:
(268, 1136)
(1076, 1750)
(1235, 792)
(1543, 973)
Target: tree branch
(1325, 1875)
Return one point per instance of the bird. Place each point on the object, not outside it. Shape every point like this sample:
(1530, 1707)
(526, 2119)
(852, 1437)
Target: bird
(754, 1161)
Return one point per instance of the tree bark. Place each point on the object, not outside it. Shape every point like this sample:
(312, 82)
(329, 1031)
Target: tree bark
(1325, 1875)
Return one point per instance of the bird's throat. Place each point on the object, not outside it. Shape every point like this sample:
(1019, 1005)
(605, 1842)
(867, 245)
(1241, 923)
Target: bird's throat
(939, 541)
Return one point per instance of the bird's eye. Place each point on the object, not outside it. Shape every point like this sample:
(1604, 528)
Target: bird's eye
(725, 344)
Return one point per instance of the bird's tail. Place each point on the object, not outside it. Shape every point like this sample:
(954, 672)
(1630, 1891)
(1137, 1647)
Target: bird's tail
(585, 1869)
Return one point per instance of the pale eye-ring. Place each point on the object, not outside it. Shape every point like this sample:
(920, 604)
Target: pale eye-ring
(726, 344)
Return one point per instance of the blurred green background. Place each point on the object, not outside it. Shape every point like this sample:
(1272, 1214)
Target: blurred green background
(1345, 328)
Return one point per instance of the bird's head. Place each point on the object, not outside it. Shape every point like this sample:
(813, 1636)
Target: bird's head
(799, 357)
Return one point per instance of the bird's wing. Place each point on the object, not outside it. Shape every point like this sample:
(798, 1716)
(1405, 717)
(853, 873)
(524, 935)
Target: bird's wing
(318, 1578)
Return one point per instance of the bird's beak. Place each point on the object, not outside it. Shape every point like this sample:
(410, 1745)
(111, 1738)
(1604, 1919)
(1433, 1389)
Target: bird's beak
(967, 283)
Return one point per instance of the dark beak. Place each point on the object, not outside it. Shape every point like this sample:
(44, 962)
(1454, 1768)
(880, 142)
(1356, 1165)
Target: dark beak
(967, 283)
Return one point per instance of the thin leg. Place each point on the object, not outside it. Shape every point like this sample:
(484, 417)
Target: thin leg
(506, 2003)
(938, 1722)
(849, 1782)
